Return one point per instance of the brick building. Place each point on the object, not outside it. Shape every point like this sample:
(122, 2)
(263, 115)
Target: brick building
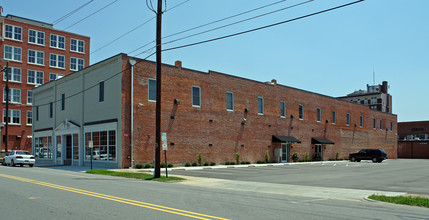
(211, 113)
(413, 139)
(376, 97)
(37, 53)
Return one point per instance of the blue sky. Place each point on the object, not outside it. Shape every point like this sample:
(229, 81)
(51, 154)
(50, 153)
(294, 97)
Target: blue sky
(333, 53)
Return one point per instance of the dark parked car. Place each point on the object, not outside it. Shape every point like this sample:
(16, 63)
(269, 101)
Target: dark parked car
(376, 155)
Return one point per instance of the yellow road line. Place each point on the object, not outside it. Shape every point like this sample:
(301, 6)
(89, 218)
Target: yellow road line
(118, 199)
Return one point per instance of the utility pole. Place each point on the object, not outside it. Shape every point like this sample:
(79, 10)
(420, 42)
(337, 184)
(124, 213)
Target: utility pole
(6, 71)
(157, 171)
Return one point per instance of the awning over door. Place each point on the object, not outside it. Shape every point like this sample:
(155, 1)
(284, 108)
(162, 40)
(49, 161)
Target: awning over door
(321, 141)
(286, 139)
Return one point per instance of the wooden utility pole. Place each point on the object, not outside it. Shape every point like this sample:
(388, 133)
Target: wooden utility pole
(157, 171)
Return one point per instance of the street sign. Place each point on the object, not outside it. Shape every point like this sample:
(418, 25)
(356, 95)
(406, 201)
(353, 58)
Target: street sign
(91, 145)
(164, 141)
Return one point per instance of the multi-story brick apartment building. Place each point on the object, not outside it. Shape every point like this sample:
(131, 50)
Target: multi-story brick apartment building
(413, 139)
(112, 103)
(376, 97)
(37, 53)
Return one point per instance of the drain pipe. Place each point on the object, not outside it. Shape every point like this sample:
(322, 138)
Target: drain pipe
(132, 62)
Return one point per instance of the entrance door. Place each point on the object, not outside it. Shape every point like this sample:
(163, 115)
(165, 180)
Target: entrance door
(285, 153)
(319, 149)
(68, 156)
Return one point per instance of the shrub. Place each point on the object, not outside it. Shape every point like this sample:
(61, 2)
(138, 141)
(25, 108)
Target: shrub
(247, 162)
(187, 164)
(200, 159)
(307, 157)
(170, 165)
(260, 161)
(231, 163)
(237, 158)
(212, 163)
(162, 165)
(226, 163)
(194, 164)
(206, 163)
(336, 156)
(139, 166)
(295, 156)
(267, 157)
(147, 166)
(243, 162)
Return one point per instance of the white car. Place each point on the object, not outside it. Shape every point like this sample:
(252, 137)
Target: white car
(20, 157)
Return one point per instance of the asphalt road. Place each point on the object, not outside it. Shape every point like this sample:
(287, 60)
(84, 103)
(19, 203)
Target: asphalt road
(402, 175)
(43, 193)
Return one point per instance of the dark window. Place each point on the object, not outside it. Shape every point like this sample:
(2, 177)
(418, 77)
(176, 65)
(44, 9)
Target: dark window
(260, 106)
(391, 126)
(282, 109)
(319, 114)
(196, 96)
(50, 109)
(301, 112)
(348, 119)
(63, 102)
(361, 121)
(101, 92)
(37, 113)
(334, 117)
(230, 101)
(152, 90)
(374, 123)
(381, 124)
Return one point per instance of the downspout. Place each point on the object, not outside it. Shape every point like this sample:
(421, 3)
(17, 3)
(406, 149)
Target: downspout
(132, 62)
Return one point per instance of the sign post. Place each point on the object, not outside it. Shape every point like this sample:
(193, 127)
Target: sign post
(91, 145)
(165, 148)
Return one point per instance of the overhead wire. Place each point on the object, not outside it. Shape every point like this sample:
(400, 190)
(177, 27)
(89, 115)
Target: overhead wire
(215, 39)
(71, 13)
(90, 15)
(137, 27)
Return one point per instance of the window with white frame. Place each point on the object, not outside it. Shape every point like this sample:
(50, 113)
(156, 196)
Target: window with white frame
(13, 32)
(361, 121)
(54, 76)
(334, 117)
(14, 116)
(36, 37)
(35, 77)
(283, 109)
(152, 90)
(301, 112)
(77, 45)
(29, 117)
(14, 95)
(29, 97)
(56, 61)
(36, 57)
(58, 41)
(12, 53)
(43, 147)
(319, 115)
(348, 119)
(229, 101)
(260, 106)
(14, 75)
(196, 96)
(104, 142)
(76, 63)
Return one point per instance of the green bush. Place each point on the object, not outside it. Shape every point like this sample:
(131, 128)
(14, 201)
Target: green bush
(170, 165)
(187, 164)
(267, 157)
(295, 156)
(162, 165)
(226, 163)
(206, 163)
(247, 162)
(146, 166)
(231, 163)
(307, 157)
(139, 166)
(194, 164)
(200, 159)
(212, 163)
(237, 158)
(336, 155)
(260, 162)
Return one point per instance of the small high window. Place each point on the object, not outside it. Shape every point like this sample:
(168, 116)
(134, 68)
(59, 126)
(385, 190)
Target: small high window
(319, 114)
(152, 90)
(196, 96)
(334, 117)
(101, 92)
(229, 101)
(301, 112)
(283, 109)
(260, 106)
(348, 119)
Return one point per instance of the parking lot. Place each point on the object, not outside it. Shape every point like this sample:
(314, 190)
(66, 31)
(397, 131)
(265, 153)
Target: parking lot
(401, 175)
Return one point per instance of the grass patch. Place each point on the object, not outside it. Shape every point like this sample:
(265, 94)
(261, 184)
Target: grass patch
(404, 200)
(143, 176)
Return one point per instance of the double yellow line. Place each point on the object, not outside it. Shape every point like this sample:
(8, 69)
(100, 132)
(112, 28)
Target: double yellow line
(118, 199)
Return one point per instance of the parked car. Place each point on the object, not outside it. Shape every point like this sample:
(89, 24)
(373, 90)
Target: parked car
(2, 155)
(376, 155)
(19, 157)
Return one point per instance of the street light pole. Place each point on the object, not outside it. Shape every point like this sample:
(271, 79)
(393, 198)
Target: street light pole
(6, 71)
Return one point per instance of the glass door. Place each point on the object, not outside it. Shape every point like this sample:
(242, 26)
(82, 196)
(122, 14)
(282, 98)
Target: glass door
(285, 153)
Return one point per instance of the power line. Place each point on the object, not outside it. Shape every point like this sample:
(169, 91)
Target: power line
(71, 13)
(140, 25)
(90, 15)
(210, 23)
(263, 27)
(214, 39)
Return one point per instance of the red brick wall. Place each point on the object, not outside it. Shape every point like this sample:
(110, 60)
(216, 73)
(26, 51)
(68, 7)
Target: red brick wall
(23, 130)
(218, 134)
(413, 149)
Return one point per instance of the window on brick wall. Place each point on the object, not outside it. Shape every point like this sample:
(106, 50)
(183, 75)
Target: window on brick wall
(283, 109)
(319, 114)
(301, 112)
(374, 121)
(57, 41)
(196, 96)
(36, 57)
(381, 124)
(334, 117)
(14, 116)
(229, 101)
(260, 106)
(152, 90)
(391, 126)
(36, 37)
(14, 75)
(361, 121)
(12, 53)
(13, 32)
(348, 119)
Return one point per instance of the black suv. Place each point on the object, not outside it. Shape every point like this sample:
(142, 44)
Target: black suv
(376, 155)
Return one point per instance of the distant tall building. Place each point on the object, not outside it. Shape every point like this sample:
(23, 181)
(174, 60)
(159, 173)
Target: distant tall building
(37, 53)
(375, 96)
